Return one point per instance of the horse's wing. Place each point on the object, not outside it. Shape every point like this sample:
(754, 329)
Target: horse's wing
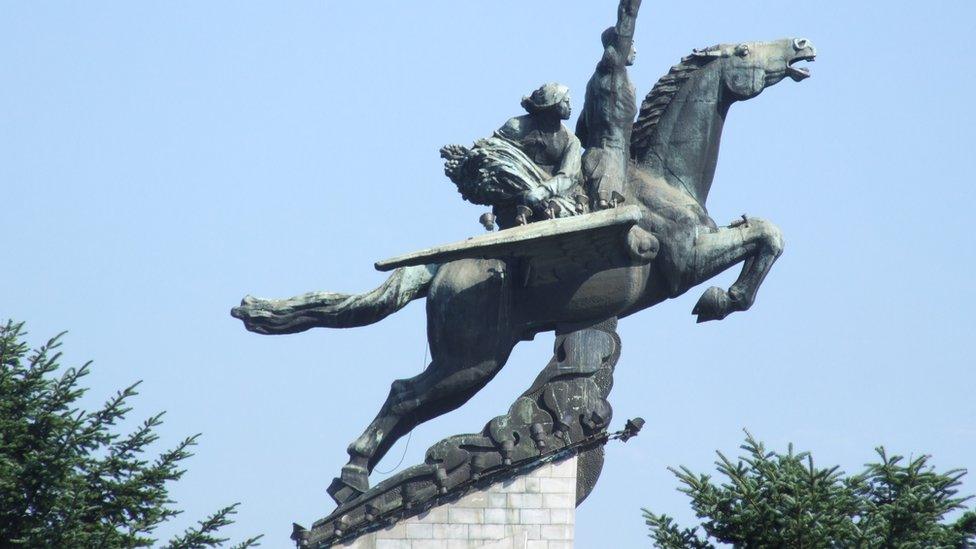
(584, 241)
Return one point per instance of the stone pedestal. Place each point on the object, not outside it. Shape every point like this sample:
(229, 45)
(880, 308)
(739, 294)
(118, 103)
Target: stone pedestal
(513, 484)
(536, 510)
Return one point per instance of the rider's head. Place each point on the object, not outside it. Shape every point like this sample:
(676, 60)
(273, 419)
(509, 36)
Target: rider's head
(549, 98)
(609, 38)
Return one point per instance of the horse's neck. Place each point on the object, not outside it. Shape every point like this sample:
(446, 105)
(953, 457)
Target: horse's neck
(685, 142)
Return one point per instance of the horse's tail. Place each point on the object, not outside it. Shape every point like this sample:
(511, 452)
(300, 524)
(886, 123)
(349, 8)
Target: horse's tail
(330, 310)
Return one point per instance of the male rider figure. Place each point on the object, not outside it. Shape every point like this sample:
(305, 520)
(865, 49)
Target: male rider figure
(604, 126)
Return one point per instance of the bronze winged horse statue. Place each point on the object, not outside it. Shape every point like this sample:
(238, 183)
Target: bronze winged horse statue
(479, 307)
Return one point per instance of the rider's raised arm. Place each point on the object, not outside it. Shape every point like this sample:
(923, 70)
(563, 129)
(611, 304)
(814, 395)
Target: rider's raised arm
(626, 23)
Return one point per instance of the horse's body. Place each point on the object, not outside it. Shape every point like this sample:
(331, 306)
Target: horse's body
(478, 309)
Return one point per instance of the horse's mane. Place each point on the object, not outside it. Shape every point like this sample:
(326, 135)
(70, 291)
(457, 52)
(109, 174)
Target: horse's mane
(660, 97)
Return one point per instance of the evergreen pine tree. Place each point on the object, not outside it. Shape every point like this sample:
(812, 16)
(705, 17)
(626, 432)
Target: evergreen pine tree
(768, 499)
(66, 478)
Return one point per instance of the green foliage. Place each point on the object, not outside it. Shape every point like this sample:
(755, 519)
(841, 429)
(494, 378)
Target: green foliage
(68, 480)
(783, 500)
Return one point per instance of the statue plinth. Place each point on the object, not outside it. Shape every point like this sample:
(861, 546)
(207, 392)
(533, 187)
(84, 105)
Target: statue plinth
(550, 442)
(534, 509)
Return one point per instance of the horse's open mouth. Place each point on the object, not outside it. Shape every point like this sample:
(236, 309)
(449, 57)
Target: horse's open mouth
(799, 73)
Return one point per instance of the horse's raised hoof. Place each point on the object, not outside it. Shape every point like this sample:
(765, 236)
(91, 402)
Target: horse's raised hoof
(712, 305)
(350, 484)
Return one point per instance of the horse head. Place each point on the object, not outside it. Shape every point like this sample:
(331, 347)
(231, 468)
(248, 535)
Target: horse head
(748, 68)
(677, 133)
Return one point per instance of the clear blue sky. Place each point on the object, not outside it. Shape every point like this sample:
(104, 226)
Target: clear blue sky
(160, 160)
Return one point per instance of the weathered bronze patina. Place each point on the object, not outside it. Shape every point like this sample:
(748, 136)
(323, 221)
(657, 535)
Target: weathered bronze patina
(649, 237)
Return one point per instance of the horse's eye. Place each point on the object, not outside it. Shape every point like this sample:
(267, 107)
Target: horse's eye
(800, 43)
(742, 50)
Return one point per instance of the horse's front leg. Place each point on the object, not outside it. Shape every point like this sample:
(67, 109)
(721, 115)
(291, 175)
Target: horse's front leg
(756, 242)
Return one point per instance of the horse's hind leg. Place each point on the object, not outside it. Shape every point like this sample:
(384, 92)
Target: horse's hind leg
(470, 339)
(755, 241)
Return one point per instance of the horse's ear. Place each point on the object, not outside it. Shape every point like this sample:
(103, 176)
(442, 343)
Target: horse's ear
(745, 81)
